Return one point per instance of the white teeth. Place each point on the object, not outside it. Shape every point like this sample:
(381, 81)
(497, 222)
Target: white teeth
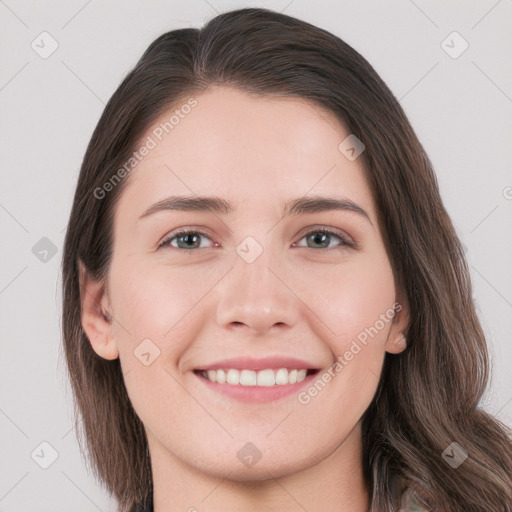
(233, 377)
(247, 378)
(281, 376)
(220, 377)
(267, 378)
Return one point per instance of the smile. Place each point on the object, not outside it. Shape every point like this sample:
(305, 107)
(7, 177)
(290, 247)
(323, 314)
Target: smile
(253, 386)
(268, 377)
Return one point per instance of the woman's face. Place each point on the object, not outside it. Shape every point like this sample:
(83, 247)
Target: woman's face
(257, 282)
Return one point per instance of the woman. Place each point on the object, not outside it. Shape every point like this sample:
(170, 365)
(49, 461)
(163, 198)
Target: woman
(266, 306)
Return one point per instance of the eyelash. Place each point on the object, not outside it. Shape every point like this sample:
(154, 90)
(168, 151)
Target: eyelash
(345, 241)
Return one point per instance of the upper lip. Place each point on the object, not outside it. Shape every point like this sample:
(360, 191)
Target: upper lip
(250, 363)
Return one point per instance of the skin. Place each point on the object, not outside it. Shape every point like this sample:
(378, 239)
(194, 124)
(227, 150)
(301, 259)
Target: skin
(203, 306)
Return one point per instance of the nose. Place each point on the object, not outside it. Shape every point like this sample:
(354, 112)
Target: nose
(258, 296)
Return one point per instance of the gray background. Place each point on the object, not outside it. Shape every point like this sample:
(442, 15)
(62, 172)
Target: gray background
(460, 108)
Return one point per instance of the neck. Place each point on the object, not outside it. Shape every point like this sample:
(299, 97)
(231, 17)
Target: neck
(332, 484)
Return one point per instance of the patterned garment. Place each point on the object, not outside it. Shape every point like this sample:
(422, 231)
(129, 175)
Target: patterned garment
(409, 502)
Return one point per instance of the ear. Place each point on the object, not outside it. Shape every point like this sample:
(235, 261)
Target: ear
(396, 341)
(95, 315)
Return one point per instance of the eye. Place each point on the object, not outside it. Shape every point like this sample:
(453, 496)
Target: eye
(186, 239)
(190, 239)
(323, 237)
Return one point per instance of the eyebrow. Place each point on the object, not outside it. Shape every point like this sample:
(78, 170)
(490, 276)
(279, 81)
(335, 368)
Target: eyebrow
(215, 204)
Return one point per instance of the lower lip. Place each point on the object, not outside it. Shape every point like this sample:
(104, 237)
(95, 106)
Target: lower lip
(256, 394)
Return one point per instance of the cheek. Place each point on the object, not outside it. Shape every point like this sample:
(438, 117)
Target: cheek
(155, 323)
(156, 302)
(350, 299)
(357, 307)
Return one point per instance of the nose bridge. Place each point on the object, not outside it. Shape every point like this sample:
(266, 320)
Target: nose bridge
(253, 293)
(253, 265)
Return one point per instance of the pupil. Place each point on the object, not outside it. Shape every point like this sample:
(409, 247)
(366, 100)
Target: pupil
(322, 237)
(188, 237)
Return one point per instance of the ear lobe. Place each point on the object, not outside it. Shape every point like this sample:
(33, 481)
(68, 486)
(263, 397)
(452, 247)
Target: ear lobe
(95, 317)
(397, 344)
(396, 341)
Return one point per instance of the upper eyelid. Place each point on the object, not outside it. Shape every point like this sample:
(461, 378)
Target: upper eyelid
(320, 227)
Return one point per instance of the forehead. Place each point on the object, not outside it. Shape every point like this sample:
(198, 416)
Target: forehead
(252, 150)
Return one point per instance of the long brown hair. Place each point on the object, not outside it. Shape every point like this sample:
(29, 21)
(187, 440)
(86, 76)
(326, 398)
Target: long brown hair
(428, 395)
